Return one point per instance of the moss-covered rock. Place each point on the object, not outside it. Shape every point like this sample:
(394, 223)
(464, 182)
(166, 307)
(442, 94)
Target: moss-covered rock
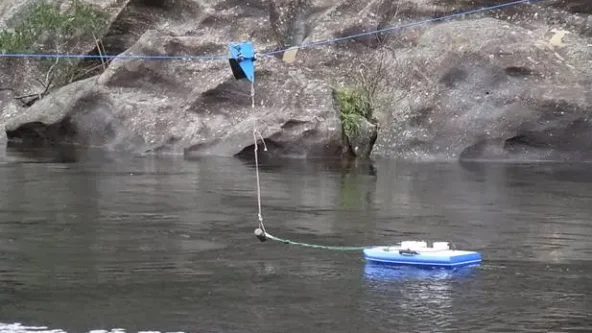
(358, 125)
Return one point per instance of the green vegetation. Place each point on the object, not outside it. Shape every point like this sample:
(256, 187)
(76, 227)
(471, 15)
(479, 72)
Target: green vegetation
(43, 23)
(354, 104)
(48, 28)
(371, 84)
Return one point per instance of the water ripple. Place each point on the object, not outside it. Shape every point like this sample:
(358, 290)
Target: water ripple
(167, 245)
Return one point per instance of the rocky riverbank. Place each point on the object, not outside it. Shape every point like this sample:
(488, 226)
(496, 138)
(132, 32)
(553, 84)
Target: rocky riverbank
(514, 83)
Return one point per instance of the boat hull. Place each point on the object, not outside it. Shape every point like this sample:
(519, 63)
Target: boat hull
(393, 255)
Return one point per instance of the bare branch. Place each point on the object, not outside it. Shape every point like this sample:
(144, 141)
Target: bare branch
(378, 79)
(26, 96)
(100, 51)
(387, 15)
(77, 75)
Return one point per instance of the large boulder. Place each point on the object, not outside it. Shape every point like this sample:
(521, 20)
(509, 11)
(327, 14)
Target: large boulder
(192, 107)
(488, 89)
(512, 83)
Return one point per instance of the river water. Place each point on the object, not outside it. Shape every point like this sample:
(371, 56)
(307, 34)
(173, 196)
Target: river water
(94, 242)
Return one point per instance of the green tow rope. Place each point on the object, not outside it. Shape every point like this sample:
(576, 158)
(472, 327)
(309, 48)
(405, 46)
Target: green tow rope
(317, 246)
(260, 232)
(263, 236)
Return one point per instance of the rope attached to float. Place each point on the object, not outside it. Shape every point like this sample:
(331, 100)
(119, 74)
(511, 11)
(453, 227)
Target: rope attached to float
(260, 232)
(317, 246)
(256, 150)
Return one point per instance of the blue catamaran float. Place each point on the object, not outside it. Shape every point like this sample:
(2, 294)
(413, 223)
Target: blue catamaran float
(408, 253)
(418, 253)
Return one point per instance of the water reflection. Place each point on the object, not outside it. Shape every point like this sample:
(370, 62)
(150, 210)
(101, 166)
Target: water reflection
(166, 244)
(387, 273)
(425, 297)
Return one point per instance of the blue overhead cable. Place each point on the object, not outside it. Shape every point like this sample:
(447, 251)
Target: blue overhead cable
(304, 45)
(402, 26)
(104, 56)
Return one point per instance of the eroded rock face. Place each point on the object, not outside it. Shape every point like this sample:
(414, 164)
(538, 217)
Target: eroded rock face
(510, 84)
(189, 107)
(493, 91)
(3, 140)
(7, 109)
